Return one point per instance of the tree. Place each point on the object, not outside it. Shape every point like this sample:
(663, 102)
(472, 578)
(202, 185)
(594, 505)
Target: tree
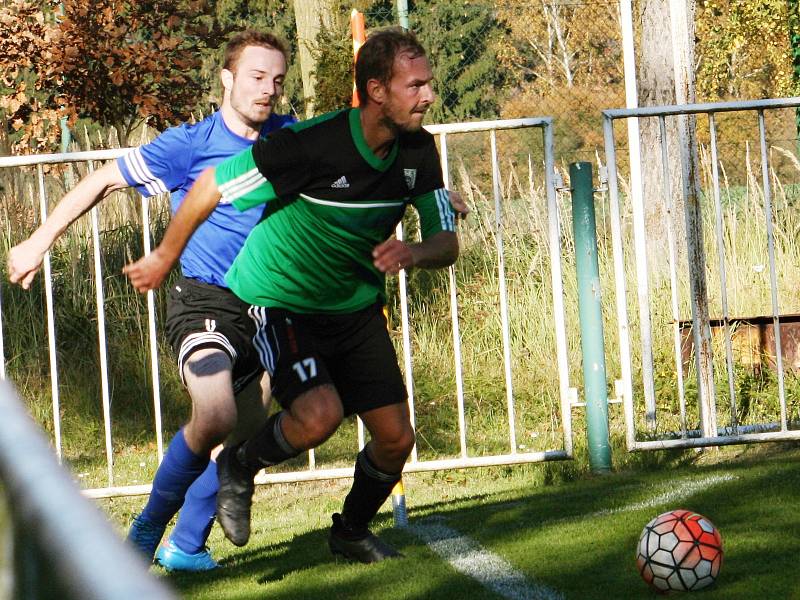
(794, 41)
(332, 74)
(332, 51)
(311, 16)
(560, 44)
(675, 85)
(742, 48)
(118, 62)
(462, 40)
(562, 59)
(25, 36)
(659, 84)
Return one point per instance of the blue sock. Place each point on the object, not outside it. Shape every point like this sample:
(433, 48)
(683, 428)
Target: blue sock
(197, 515)
(176, 473)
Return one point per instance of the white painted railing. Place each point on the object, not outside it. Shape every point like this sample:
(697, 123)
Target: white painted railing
(61, 546)
(709, 433)
(444, 133)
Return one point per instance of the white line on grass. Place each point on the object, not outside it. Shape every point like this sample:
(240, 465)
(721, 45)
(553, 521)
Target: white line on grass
(468, 557)
(679, 492)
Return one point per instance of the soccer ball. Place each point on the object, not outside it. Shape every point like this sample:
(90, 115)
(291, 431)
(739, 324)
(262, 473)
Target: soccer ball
(679, 551)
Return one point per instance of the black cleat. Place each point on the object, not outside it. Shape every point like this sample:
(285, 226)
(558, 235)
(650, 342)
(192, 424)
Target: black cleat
(369, 549)
(234, 498)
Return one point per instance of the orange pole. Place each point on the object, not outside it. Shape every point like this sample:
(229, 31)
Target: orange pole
(359, 37)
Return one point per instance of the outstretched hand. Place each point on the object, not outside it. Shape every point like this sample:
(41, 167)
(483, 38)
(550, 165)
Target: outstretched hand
(24, 261)
(149, 272)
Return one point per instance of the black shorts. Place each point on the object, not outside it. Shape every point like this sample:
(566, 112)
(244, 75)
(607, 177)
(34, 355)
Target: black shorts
(351, 351)
(201, 315)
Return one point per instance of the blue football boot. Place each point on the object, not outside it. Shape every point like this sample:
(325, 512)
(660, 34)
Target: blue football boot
(173, 558)
(145, 536)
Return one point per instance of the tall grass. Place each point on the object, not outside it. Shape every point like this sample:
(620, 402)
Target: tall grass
(527, 263)
(76, 323)
(747, 289)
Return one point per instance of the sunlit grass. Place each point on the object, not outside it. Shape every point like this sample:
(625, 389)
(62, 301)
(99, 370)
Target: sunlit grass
(577, 537)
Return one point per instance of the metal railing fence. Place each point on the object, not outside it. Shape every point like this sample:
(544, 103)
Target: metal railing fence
(492, 226)
(61, 545)
(703, 262)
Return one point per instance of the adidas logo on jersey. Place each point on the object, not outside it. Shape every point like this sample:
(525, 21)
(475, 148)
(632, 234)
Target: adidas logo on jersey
(341, 183)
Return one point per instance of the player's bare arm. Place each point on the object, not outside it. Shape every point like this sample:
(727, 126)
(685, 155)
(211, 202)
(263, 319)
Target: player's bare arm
(439, 250)
(25, 259)
(149, 272)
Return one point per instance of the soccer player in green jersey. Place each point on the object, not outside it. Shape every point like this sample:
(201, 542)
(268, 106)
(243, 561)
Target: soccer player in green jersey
(314, 272)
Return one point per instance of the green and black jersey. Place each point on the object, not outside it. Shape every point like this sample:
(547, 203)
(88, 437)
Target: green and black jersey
(330, 201)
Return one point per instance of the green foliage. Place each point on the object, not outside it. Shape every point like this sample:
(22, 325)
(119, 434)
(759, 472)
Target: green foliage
(743, 49)
(461, 39)
(117, 62)
(794, 43)
(333, 53)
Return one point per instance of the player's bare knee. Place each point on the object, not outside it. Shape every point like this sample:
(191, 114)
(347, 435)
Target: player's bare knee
(206, 364)
(406, 442)
(212, 423)
(201, 439)
(319, 412)
(394, 448)
(223, 425)
(401, 448)
(212, 433)
(320, 425)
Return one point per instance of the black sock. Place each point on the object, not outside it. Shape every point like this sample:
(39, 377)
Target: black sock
(267, 448)
(371, 488)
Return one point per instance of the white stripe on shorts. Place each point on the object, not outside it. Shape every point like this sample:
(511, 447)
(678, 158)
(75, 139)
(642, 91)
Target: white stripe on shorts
(193, 340)
(261, 343)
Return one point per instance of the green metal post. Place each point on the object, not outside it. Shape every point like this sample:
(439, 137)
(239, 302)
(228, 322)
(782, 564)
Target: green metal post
(402, 13)
(591, 318)
(66, 135)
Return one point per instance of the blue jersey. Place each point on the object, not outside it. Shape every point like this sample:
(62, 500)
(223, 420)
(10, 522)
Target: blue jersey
(172, 162)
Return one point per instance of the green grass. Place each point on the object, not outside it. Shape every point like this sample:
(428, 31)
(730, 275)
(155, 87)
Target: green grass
(577, 537)
(575, 555)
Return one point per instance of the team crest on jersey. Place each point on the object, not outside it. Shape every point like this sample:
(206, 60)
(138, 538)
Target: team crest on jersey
(411, 177)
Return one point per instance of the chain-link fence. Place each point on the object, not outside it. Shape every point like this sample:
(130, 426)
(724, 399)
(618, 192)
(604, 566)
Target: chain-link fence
(500, 59)
(562, 58)
(495, 58)
(505, 59)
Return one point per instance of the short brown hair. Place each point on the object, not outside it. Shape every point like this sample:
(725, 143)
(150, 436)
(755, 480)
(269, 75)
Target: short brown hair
(251, 37)
(376, 57)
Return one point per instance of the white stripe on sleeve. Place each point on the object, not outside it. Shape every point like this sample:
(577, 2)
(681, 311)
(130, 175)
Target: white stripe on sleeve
(241, 186)
(142, 174)
(445, 211)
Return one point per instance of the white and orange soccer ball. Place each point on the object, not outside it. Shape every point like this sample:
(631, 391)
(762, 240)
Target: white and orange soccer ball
(679, 551)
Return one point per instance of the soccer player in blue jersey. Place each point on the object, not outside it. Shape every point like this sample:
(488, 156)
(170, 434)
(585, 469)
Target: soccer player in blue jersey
(206, 324)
